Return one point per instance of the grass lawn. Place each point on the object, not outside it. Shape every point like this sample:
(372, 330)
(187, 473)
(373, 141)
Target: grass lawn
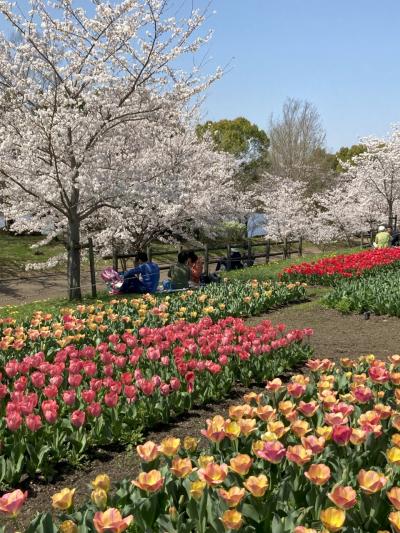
(16, 252)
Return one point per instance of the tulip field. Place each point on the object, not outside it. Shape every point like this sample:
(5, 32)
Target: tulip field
(99, 374)
(320, 453)
(380, 294)
(329, 270)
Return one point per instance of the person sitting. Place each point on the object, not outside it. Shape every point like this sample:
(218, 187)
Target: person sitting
(179, 273)
(235, 261)
(395, 237)
(144, 278)
(382, 238)
(195, 264)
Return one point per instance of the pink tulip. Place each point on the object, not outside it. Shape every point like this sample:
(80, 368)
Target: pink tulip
(13, 421)
(94, 409)
(33, 422)
(111, 399)
(341, 434)
(69, 396)
(12, 502)
(78, 418)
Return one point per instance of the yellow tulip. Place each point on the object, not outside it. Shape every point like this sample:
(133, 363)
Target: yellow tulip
(63, 500)
(333, 518)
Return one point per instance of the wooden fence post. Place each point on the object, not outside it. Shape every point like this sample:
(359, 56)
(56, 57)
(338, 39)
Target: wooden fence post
(228, 257)
(149, 252)
(267, 251)
(92, 268)
(249, 254)
(300, 246)
(206, 260)
(115, 260)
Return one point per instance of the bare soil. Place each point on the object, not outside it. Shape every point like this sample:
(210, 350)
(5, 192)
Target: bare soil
(335, 336)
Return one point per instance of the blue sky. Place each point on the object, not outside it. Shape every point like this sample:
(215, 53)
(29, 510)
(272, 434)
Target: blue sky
(341, 55)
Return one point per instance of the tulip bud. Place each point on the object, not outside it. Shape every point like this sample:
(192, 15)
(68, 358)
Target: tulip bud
(99, 498)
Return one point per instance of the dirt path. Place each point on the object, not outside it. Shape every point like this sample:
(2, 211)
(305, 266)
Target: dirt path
(335, 335)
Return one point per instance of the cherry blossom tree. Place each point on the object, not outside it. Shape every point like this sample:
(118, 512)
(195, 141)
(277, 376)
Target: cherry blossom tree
(375, 172)
(343, 211)
(287, 207)
(179, 186)
(72, 86)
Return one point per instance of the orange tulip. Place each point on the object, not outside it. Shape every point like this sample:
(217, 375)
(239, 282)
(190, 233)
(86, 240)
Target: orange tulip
(213, 474)
(148, 451)
(357, 436)
(232, 429)
(278, 428)
(11, 502)
(274, 385)
(308, 409)
(318, 474)
(247, 425)
(240, 411)
(241, 464)
(169, 446)
(286, 407)
(257, 485)
(111, 521)
(215, 431)
(63, 500)
(396, 439)
(313, 443)
(233, 496)
(394, 497)
(343, 497)
(302, 529)
(181, 467)
(265, 412)
(232, 519)
(298, 454)
(396, 421)
(371, 481)
(149, 481)
(300, 428)
(333, 518)
(394, 519)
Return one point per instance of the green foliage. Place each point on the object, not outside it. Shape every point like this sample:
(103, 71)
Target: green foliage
(346, 154)
(244, 140)
(379, 293)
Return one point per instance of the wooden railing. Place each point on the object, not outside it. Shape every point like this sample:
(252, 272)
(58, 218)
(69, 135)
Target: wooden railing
(250, 253)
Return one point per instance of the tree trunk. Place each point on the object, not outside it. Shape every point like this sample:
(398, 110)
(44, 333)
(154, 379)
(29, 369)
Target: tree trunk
(390, 213)
(74, 259)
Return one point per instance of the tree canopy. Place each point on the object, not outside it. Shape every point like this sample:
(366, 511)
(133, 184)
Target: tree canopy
(245, 141)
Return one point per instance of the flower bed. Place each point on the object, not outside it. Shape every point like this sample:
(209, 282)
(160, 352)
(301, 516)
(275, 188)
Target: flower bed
(94, 323)
(379, 294)
(320, 452)
(55, 405)
(328, 270)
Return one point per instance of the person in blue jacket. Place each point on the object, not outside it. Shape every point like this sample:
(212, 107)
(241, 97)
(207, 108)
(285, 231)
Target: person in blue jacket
(144, 278)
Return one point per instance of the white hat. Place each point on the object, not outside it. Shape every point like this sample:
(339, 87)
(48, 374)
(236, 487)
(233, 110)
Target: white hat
(381, 228)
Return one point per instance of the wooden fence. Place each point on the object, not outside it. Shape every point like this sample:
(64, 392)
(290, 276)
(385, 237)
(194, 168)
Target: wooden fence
(250, 254)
